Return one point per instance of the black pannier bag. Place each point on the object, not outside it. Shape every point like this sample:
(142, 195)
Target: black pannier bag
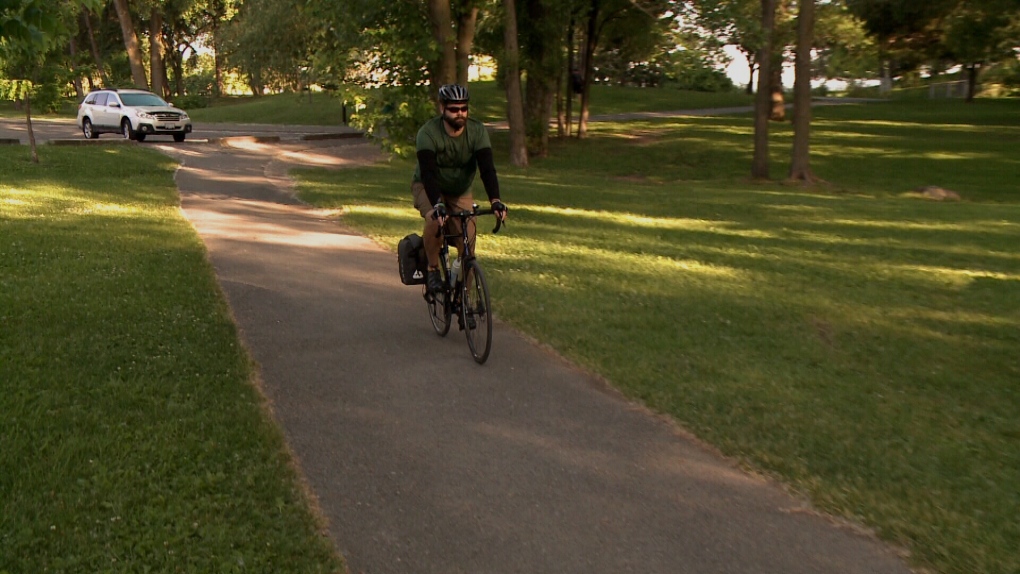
(411, 260)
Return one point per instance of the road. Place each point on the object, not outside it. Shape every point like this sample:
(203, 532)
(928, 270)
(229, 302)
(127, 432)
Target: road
(65, 129)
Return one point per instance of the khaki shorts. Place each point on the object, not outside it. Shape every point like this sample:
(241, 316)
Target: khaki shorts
(433, 244)
(422, 204)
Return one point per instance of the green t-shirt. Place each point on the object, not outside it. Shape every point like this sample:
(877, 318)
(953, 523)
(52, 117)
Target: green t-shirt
(454, 156)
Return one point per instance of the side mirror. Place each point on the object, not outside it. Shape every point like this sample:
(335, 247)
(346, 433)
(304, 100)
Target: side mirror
(114, 105)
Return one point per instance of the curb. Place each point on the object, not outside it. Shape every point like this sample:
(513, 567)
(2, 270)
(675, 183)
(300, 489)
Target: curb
(333, 136)
(82, 142)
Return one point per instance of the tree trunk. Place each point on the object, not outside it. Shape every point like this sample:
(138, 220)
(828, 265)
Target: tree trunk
(778, 110)
(176, 61)
(571, 69)
(217, 62)
(751, 67)
(514, 105)
(467, 17)
(561, 115)
(542, 70)
(972, 74)
(539, 95)
(156, 68)
(131, 43)
(590, 42)
(31, 132)
(73, 47)
(97, 57)
(800, 161)
(762, 100)
(445, 70)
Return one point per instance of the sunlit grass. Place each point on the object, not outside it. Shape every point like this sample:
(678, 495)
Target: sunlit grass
(853, 339)
(132, 438)
(488, 103)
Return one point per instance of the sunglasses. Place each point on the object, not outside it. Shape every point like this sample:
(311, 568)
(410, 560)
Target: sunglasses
(457, 109)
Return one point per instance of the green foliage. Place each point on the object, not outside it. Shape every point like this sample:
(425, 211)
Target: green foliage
(268, 41)
(1003, 79)
(392, 115)
(192, 101)
(844, 50)
(288, 108)
(379, 52)
(689, 70)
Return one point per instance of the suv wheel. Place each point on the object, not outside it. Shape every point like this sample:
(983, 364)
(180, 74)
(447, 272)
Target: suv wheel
(178, 138)
(86, 128)
(125, 129)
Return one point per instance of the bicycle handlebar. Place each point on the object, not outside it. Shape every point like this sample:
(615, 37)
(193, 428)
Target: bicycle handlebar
(464, 215)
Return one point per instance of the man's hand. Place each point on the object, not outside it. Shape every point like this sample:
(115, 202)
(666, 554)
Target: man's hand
(439, 213)
(499, 209)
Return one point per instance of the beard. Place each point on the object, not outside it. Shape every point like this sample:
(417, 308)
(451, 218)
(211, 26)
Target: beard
(456, 122)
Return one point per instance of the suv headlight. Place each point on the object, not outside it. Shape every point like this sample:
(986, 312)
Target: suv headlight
(185, 116)
(146, 116)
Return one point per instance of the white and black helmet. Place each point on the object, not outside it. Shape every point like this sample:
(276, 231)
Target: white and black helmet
(453, 93)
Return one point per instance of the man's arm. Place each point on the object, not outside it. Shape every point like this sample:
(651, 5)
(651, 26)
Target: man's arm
(430, 174)
(487, 169)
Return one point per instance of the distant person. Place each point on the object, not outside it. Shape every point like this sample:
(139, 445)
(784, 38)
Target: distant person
(576, 81)
(451, 147)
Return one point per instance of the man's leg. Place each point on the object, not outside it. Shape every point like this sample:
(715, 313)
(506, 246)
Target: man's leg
(433, 244)
(462, 203)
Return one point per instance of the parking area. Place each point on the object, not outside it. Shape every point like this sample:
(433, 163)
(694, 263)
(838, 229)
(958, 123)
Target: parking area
(15, 130)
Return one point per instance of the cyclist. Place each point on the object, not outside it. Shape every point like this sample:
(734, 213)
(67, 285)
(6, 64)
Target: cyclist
(451, 147)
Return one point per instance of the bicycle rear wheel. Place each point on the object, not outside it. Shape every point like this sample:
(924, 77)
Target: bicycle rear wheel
(440, 310)
(476, 312)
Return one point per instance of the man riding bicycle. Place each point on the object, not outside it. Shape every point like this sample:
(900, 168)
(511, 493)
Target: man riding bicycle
(451, 147)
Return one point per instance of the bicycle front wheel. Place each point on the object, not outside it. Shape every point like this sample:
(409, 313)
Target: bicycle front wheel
(476, 313)
(440, 310)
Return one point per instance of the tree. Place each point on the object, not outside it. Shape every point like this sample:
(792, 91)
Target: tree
(131, 44)
(620, 22)
(907, 31)
(453, 30)
(843, 48)
(762, 101)
(977, 34)
(97, 56)
(734, 22)
(512, 71)
(269, 42)
(156, 67)
(800, 162)
(542, 55)
(32, 34)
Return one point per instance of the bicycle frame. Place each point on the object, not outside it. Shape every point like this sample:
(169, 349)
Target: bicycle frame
(468, 296)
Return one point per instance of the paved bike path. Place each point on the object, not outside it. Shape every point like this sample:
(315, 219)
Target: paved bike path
(423, 461)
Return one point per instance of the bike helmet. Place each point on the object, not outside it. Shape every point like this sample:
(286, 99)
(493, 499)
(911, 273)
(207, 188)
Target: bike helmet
(453, 93)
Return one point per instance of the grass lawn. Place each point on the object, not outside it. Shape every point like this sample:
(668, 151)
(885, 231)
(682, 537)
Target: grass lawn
(132, 437)
(855, 340)
(488, 104)
(488, 101)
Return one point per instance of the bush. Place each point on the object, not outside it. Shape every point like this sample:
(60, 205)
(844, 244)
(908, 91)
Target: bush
(691, 70)
(191, 101)
(392, 115)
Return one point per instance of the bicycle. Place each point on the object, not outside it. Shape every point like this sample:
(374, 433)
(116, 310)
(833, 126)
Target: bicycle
(467, 294)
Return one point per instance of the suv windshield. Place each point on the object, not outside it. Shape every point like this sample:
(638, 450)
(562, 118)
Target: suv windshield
(142, 100)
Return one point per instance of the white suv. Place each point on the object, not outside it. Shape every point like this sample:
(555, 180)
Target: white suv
(131, 113)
